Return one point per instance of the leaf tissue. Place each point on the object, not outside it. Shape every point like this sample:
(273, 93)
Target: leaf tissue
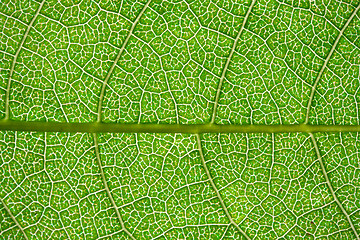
(180, 119)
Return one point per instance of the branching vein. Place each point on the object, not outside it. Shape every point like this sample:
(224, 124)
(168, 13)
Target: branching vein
(14, 219)
(330, 186)
(216, 190)
(102, 93)
(318, 77)
(97, 152)
(218, 91)
(7, 96)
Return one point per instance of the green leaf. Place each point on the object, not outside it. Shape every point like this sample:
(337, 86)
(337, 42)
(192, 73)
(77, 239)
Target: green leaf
(180, 119)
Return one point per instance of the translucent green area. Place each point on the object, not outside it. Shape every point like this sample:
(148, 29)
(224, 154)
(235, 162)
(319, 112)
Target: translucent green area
(170, 68)
(271, 184)
(244, 119)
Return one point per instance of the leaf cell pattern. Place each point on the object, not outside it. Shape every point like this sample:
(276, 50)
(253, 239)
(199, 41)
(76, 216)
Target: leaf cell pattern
(186, 62)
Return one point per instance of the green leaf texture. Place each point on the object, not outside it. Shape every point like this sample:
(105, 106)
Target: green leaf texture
(180, 119)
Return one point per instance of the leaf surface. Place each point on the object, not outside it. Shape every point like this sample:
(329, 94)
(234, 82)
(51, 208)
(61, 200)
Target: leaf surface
(180, 119)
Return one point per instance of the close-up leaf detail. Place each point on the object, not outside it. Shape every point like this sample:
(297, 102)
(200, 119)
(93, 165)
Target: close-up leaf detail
(180, 119)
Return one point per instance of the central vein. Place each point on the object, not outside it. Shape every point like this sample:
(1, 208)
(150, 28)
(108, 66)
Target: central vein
(96, 127)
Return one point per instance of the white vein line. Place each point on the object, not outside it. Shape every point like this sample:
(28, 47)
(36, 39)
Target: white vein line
(327, 61)
(14, 219)
(216, 190)
(97, 152)
(228, 61)
(102, 93)
(165, 74)
(7, 96)
(13, 18)
(330, 186)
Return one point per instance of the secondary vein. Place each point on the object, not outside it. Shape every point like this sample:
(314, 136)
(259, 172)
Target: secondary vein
(327, 61)
(216, 190)
(102, 93)
(14, 219)
(97, 153)
(7, 96)
(330, 186)
(218, 91)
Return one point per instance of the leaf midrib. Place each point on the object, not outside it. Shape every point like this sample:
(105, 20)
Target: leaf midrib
(95, 127)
